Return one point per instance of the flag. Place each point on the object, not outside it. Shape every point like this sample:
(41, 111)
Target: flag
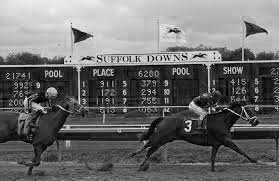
(79, 35)
(253, 29)
(171, 33)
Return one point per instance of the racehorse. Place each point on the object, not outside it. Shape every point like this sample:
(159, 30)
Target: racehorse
(182, 127)
(46, 129)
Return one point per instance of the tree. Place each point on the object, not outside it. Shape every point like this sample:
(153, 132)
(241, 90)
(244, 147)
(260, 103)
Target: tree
(265, 56)
(2, 60)
(276, 55)
(24, 58)
(225, 53)
(236, 55)
(56, 60)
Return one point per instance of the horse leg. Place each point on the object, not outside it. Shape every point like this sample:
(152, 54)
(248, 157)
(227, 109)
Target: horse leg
(230, 144)
(213, 156)
(38, 150)
(154, 148)
(141, 149)
(144, 165)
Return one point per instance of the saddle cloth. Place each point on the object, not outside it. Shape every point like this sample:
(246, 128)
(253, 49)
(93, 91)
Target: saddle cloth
(22, 123)
(190, 125)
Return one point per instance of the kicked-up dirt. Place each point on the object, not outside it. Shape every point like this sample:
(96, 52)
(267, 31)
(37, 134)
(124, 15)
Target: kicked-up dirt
(78, 172)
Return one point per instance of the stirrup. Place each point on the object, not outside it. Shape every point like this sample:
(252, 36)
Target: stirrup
(30, 136)
(31, 124)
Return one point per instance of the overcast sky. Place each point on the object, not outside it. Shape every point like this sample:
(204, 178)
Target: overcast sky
(130, 26)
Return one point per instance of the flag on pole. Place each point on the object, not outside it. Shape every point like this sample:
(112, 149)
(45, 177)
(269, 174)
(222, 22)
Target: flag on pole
(253, 29)
(171, 33)
(79, 35)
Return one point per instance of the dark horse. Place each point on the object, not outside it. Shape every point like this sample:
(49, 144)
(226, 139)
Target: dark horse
(46, 128)
(178, 127)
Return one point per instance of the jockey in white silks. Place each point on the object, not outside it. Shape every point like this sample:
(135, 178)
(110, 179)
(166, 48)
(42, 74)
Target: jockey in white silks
(32, 103)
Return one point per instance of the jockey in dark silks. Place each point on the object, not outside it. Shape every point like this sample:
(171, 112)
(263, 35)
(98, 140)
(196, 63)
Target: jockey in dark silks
(206, 100)
(32, 103)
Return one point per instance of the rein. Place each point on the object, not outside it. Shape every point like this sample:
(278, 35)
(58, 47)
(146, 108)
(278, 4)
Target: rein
(65, 109)
(240, 115)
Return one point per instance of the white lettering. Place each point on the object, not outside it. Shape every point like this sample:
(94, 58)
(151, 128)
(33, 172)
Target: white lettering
(53, 74)
(103, 72)
(180, 71)
(232, 70)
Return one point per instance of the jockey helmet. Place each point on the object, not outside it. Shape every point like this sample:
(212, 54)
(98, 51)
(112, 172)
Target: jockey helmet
(51, 92)
(217, 94)
(205, 96)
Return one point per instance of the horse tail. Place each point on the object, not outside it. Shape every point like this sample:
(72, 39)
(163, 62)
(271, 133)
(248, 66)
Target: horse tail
(153, 125)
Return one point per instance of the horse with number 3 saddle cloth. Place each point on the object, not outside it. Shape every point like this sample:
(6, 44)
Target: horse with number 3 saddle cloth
(183, 126)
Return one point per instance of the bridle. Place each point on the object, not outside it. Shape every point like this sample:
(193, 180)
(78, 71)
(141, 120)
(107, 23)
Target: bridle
(247, 117)
(71, 112)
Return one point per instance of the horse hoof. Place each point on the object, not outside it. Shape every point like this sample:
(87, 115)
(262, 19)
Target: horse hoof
(21, 162)
(131, 155)
(105, 167)
(144, 168)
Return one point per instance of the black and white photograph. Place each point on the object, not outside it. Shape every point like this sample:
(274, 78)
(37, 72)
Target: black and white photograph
(114, 90)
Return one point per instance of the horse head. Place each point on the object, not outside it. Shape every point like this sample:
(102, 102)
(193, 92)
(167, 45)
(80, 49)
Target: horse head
(242, 110)
(71, 105)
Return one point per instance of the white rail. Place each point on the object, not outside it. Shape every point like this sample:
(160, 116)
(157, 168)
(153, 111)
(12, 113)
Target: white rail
(143, 127)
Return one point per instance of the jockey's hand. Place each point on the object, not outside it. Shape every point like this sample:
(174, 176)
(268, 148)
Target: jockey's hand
(218, 109)
(48, 108)
(213, 109)
(44, 110)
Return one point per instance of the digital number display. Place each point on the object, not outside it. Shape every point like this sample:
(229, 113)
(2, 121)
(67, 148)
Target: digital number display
(18, 82)
(257, 84)
(141, 86)
(145, 87)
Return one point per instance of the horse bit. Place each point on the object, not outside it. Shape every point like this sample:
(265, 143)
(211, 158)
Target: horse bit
(242, 111)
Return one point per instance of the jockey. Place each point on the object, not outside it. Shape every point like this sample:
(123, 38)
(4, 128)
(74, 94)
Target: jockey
(32, 103)
(198, 104)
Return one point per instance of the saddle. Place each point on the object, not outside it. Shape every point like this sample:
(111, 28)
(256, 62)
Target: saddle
(190, 123)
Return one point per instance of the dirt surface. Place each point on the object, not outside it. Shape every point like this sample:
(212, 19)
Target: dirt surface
(78, 172)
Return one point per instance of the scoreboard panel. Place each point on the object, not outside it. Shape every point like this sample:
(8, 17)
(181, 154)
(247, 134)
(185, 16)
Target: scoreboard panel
(143, 86)
(17, 82)
(255, 83)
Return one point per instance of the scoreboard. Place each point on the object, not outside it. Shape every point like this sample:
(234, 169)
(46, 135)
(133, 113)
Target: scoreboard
(256, 83)
(149, 87)
(16, 82)
(145, 86)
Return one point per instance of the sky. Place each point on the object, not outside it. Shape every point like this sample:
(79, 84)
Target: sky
(131, 26)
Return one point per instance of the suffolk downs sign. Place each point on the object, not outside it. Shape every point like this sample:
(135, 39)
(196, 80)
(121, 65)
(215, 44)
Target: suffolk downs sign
(146, 58)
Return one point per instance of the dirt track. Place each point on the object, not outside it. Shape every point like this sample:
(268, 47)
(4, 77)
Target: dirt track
(76, 171)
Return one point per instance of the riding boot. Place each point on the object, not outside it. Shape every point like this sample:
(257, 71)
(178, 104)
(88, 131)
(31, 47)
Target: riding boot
(33, 118)
(199, 127)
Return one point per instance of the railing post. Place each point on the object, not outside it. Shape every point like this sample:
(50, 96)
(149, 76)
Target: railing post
(165, 148)
(68, 142)
(104, 116)
(276, 143)
(59, 151)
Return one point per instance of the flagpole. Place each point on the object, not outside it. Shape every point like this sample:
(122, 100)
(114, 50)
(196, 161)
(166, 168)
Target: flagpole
(158, 37)
(242, 22)
(72, 45)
